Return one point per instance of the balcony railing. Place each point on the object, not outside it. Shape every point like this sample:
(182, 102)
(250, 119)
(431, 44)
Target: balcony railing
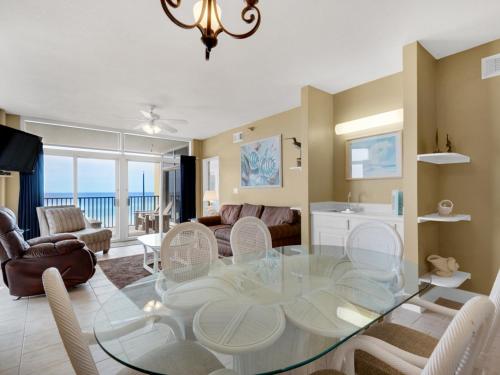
(104, 208)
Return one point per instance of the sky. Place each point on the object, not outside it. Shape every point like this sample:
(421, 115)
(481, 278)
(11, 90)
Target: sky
(94, 175)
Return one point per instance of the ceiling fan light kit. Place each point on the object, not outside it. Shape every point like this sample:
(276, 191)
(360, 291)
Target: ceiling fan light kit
(208, 19)
(150, 128)
(154, 124)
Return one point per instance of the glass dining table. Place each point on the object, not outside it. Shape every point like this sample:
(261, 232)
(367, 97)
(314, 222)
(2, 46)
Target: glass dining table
(271, 312)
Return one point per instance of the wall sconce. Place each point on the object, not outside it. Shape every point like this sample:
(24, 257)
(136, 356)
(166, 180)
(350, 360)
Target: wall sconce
(298, 146)
(376, 121)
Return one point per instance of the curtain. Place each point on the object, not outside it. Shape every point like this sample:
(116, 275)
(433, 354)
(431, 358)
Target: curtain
(188, 188)
(31, 197)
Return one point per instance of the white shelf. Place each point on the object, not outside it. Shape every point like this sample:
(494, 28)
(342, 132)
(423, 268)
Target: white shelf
(444, 158)
(295, 168)
(454, 281)
(445, 219)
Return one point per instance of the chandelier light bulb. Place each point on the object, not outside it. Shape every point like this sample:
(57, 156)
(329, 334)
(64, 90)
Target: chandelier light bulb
(214, 22)
(207, 19)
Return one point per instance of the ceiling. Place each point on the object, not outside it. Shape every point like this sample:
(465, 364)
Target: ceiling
(100, 62)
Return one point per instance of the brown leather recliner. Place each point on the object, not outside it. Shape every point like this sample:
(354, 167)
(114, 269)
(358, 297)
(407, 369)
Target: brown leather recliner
(23, 262)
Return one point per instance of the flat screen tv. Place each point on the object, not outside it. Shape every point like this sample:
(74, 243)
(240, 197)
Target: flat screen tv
(18, 150)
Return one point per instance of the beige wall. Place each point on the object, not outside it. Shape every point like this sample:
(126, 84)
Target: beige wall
(9, 187)
(468, 108)
(410, 141)
(318, 108)
(428, 174)
(312, 125)
(382, 95)
(288, 124)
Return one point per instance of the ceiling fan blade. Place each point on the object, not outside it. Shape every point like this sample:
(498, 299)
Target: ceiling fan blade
(170, 129)
(147, 115)
(174, 121)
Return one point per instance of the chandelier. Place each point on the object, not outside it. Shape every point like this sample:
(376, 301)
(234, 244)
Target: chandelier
(207, 16)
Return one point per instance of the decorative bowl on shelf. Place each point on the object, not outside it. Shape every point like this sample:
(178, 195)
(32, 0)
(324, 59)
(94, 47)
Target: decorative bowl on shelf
(445, 207)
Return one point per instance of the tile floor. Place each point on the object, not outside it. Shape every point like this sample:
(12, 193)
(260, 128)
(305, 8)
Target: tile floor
(30, 343)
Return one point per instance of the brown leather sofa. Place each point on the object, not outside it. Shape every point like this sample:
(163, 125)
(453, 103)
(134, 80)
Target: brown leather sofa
(283, 223)
(23, 262)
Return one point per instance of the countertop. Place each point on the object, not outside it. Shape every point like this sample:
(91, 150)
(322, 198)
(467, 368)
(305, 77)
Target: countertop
(359, 214)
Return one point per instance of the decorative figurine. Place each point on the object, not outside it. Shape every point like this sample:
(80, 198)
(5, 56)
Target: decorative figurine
(436, 149)
(449, 146)
(443, 266)
(445, 207)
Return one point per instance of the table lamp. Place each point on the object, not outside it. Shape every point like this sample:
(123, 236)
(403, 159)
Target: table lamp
(210, 196)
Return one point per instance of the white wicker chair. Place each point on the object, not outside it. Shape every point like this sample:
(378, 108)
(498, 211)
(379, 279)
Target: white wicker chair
(249, 235)
(188, 251)
(485, 358)
(376, 237)
(77, 342)
(454, 354)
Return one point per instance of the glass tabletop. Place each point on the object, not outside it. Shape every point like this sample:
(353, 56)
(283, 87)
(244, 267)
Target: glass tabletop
(271, 312)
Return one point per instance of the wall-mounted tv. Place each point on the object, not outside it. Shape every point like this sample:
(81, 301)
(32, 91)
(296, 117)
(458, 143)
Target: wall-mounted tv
(18, 150)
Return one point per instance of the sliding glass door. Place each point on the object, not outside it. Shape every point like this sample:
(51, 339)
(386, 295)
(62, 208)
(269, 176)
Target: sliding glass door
(96, 190)
(58, 180)
(143, 199)
(88, 183)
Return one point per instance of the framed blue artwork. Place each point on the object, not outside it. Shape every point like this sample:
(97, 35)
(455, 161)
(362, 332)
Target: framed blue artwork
(374, 157)
(260, 163)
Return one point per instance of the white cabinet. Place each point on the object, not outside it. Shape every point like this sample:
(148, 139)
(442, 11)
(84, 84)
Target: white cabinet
(331, 229)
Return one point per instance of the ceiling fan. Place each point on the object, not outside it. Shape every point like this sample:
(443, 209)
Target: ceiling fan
(152, 123)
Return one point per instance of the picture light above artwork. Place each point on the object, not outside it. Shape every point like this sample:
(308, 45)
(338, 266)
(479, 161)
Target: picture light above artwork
(379, 120)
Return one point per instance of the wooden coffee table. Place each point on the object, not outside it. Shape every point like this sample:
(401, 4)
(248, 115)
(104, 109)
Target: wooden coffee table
(151, 243)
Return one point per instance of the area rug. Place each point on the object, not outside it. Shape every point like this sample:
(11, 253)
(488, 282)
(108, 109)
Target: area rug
(449, 303)
(123, 271)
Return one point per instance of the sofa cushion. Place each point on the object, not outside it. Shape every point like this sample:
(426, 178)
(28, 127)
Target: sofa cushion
(253, 210)
(215, 228)
(229, 213)
(91, 235)
(223, 233)
(66, 219)
(277, 216)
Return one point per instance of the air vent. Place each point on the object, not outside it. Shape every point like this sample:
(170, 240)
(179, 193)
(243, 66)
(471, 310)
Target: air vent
(238, 137)
(491, 66)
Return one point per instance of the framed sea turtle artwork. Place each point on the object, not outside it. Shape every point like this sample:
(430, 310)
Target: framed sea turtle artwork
(260, 163)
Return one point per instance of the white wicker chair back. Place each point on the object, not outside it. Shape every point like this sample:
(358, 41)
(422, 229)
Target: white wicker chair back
(249, 235)
(495, 325)
(74, 342)
(187, 252)
(376, 237)
(462, 341)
